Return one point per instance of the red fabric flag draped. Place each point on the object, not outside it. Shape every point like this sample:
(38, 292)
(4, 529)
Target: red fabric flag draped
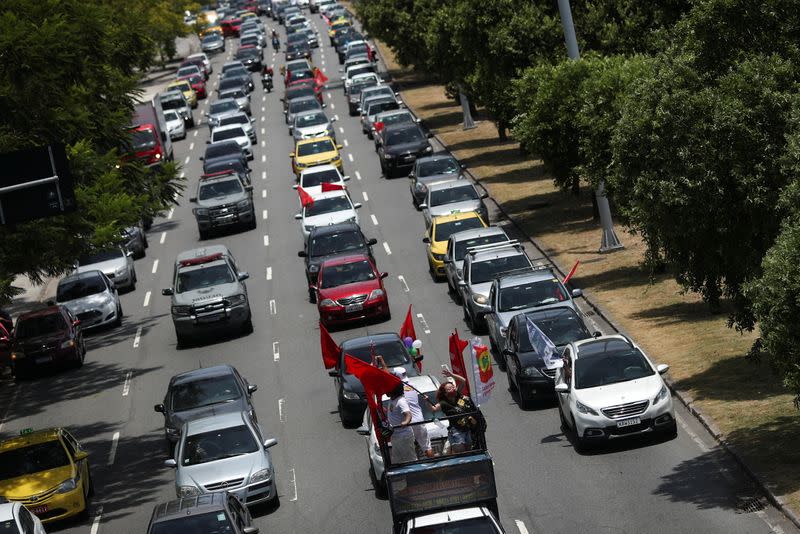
(330, 350)
(320, 78)
(407, 330)
(376, 415)
(374, 380)
(378, 126)
(571, 272)
(305, 199)
(457, 358)
(331, 187)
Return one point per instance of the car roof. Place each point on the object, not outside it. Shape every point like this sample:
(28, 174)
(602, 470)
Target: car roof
(335, 229)
(541, 273)
(597, 345)
(399, 126)
(455, 217)
(202, 251)
(477, 232)
(341, 260)
(330, 194)
(227, 127)
(82, 275)
(372, 339)
(37, 436)
(497, 250)
(318, 168)
(215, 422)
(49, 310)
(186, 506)
(455, 183)
(204, 372)
(432, 157)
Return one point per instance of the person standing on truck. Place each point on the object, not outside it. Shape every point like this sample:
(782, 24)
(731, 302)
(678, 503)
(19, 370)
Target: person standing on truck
(399, 416)
(412, 398)
(453, 402)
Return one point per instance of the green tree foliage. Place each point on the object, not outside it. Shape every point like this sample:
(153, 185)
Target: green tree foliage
(70, 75)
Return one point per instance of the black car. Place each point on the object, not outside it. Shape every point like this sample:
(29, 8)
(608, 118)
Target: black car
(209, 512)
(251, 58)
(327, 242)
(225, 151)
(431, 169)
(298, 91)
(349, 390)
(298, 50)
(402, 145)
(527, 373)
(232, 84)
(225, 165)
(241, 74)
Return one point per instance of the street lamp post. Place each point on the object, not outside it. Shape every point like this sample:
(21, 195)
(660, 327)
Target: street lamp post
(609, 241)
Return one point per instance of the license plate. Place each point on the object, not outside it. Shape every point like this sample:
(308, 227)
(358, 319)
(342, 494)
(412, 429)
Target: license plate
(38, 509)
(629, 422)
(210, 318)
(353, 308)
(43, 359)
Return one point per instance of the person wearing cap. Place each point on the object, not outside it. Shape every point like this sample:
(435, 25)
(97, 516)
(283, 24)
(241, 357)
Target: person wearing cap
(399, 417)
(412, 397)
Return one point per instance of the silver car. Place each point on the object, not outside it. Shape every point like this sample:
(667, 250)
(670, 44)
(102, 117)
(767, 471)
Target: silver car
(91, 297)
(301, 105)
(457, 247)
(226, 452)
(454, 196)
(233, 132)
(243, 120)
(213, 43)
(241, 97)
(116, 264)
(219, 109)
(312, 124)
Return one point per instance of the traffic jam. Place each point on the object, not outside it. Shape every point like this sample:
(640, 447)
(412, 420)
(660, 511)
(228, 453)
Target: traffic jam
(410, 403)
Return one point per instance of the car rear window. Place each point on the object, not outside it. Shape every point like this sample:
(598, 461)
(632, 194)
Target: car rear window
(325, 245)
(210, 522)
(220, 188)
(347, 273)
(205, 392)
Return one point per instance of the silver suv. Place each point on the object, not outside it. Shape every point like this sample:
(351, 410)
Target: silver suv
(482, 265)
(223, 200)
(457, 247)
(209, 294)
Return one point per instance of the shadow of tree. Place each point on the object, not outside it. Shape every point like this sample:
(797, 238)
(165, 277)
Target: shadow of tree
(616, 278)
(97, 339)
(444, 120)
(680, 312)
(722, 380)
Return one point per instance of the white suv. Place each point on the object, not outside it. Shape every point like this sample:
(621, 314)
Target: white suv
(607, 388)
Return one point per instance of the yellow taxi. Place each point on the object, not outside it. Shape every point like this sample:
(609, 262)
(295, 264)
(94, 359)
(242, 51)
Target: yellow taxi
(185, 88)
(248, 15)
(211, 28)
(337, 25)
(317, 151)
(48, 472)
(441, 229)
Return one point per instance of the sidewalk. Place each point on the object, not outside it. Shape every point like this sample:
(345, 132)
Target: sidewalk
(156, 78)
(32, 296)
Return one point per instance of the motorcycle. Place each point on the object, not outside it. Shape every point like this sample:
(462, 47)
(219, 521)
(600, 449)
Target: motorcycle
(266, 82)
(276, 44)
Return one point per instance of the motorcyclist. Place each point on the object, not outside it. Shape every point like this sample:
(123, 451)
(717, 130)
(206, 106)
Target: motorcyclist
(266, 78)
(276, 43)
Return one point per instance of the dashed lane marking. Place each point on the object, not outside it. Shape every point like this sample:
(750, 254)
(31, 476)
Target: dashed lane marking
(155, 266)
(333, 106)
(358, 175)
(186, 161)
(113, 453)
(263, 143)
(374, 219)
(350, 158)
(425, 326)
(386, 248)
(263, 109)
(263, 193)
(146, 299)
(163, 237)
(329, 96)
(264, 215)
(263, 158)
(294, 484)
(521, 526)
(273, 307)
(276, 351)
(96, 523)
(137, 338)
(281, 412)
(266, 240)
(194, 134)
(126, 386)
(346, 143)
(264, 175)
(269, 273)
(263, 131)
(403, 281)
(366, 197)
(341, 130)
(191, 147)
(171, 213)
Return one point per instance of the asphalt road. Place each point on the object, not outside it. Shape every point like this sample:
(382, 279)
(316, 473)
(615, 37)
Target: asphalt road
(683, 485)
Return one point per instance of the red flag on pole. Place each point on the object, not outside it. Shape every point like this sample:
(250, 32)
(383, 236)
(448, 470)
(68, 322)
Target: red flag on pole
(331, 187)
(378, 126)
(571, 272)
(374, 380)
(330, 350)
(376, 415)
(457, 358)
(407, 330)
(320, 78)
(305, 199)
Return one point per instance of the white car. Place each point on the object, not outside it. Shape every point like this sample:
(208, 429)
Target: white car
(92, 298)
(14, 517)
(354, 71)
(233, 132)
(472, 519)
(310, 124)
(175, 125)
(206, 61)
(328, 208)
(437, 430)
(311, 179)
(607, 388)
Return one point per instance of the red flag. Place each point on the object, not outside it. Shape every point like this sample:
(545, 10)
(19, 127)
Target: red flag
(571, 272)
(378, 126)
(331, 187)
(407, 330)
(484, 361)
(305, 199)
(320, 78)
(457, 358)
(330, 350)
(376, 414)
(375, 381)
(370, 53)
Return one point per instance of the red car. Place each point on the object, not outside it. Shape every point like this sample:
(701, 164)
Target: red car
(230, 27)
(350, 288)
(198, 84)
(47, 337)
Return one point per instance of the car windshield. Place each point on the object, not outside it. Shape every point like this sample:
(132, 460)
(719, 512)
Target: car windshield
(347, 273)
(302, 74)
(464, 244)
(377, 91)
(488, 270)
(325, 245)
(218, 444)
(560, 326)
(143, 139)
(328, 205)
(311, 119)
(220, 166)
(532, 294)
(76, 288)
(99, 257)
(183, 86)
(453, 194)
(328, 176)
(394, 353)
(212, 275)
(619, 362)
(359, 70)
(315, 147)
(305, 104)
(171, 116)
(301, 46)
(378, 107)
(40, 326)
(406, 135)
(396, 118)
(220, 107)
(32, 459)
(247, 52)
(240, 118)
(216, 522)
(230, 83)
(356, 49)
(476, 525)
(228, 133)
(185, 71)
(205, 392)
(297, 92)
(220, 188)
(444, 230)
(172, 103)
(211, 39)
(437, 166)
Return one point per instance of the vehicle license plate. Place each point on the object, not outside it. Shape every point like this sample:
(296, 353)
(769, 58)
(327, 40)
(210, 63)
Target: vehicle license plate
(353, 308)
(43, 359)
(210, 318)
(629, 422)
(38, 509)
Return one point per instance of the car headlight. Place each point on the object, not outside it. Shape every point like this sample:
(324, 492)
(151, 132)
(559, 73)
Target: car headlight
(388, 156)
(201, 212)
(350, 395)
(327, 303)
(188, 491)
(662, 394)
(438, 257)
(308, 227)
(313, 268)
(68, 344)
(237, 299)
(68, 485)
(531, 371)
(376, 294)
(243, 204)
(182, 310)
(479, 299)
(258, 476)
(584, 409)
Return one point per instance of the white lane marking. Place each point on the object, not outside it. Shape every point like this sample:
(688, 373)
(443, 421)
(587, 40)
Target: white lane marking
(269, 273)
(264, 99)
(146, 299)
(126, 386)
(137, 338)
(346, 143)
(341, 130)
(273, 307)
(403, 281)
(263, 131)
(8, 407)
(336, 117)
(191, 147)
(264, 215)
(294, 485)
(521, 526)
(113, 453)
(276, 351)
(350, 158)
(281, 414)
(163, 237)
(195, 133)
(374, 219)
(187, 160)
(266, 240)
(263, 158)
(263, 175)
(155, 266)
(96, 523)
(358, 175)
(263, 109)
(386, 248)
(323, 62)
(329, 95)
(366, 198)
(264, 118)
(183, 175)
(263, 143)
(263, 193)
(425, 326)
(333, 106)
(171, 213)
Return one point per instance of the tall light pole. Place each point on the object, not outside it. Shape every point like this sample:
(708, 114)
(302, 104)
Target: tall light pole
(609, 241)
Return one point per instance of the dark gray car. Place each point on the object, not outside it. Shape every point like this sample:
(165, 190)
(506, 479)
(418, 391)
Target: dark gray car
(202, 393)
(402, 145)
(210, 512)
(223, 201)
(430, 170)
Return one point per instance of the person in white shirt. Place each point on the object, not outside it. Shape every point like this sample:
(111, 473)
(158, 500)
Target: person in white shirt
(399, 416)
(412, 397)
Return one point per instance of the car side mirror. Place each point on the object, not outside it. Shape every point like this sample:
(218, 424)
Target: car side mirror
(334, 119)
(302, 254)
(252, 119)
(462, 283)
(202, 158)
(252, 388)
(208, 141)
(357, 205)
(423, 206)
(291, 154)
(81, 455)
(463, 166)
(362, 431)
(339, 147)
(334, 373)
(294, 186)
(159, 408)
(371, 242)
(192, 199)
(76, 322)
(484, 195)
(4, 339)
(426, 239)
(384, 275)
(243, 276)
(577, 293)
(345, 178)
(298, 216)
(206, 114)
(447, 261)
(129, 253)
(429, 135)
(597, 334)
(167, 291)
(662, 368)
(248, 188)
(171, 463)
(250, 530)
(271, 442)
(561, 388)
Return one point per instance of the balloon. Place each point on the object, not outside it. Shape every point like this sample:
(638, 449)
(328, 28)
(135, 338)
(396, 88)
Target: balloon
(417, 344)
(408, 342)
(413, 352)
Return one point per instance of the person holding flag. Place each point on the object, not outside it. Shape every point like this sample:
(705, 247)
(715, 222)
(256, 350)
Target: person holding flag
(452, 401)
(399, 417)
(319, 78)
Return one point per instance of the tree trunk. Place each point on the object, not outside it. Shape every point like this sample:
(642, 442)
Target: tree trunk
(576, 186)
(502, 130)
